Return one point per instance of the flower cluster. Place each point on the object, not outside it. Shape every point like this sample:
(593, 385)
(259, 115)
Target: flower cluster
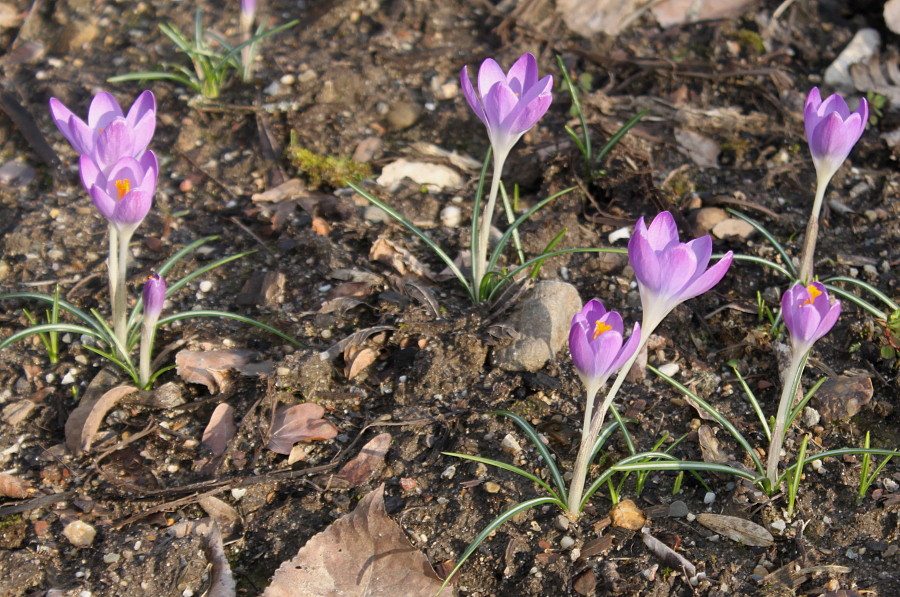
(117, 170)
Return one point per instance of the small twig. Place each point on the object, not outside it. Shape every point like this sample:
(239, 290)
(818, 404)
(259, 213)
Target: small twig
(255, 237)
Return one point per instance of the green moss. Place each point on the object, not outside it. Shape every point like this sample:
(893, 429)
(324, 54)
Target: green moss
(329, 170)
(751, 41)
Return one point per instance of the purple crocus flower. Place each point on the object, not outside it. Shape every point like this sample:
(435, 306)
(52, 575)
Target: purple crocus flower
(595, 341)
(154, 296)
(508, 103)
(108, 134)
(808, 314)
(124, 192)
(832, 131)
(668, 271)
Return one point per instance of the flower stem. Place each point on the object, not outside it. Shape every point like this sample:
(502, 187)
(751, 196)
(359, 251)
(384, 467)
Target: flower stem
(812, 231)
(148, 336)
(120, 302)
(789, 390)
(479, 257)
(593, 422)
(112, 264)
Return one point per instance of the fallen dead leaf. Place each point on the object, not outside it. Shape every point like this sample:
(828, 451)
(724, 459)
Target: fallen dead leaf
(668, 556)
(297, 423)
(362, 554)
(587, 17)
(226, 517)
(220, 429)
(398, 258)
(84, 421)
(703, 150)
(736, 529)
(221, 582)
(360, 361)
(678, 12)
(13, 487)
(360, 469)
(709, 446)
(585, 583)
(210, 368)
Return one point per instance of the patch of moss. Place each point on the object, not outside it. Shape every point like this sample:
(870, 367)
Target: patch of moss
(319, 169)
(751, 41)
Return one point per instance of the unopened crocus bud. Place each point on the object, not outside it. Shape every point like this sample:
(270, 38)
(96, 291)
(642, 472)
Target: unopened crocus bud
(108, 134)
(596, 341)
(248, 13)
(508, 103)
(154, 295)
(668, 271)
(808, 314)
(832, 131)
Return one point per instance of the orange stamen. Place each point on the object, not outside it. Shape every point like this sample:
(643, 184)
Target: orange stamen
(813, 293)
(123, 187)
(601, 328)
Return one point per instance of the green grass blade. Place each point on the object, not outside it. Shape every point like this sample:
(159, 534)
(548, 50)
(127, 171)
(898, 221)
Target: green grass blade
(623, 130)
(550, 246)
(258, 38)
(50, 327)
(764, 262)
(860, 302)
(608, 473)
(794, 485)
(418, 232)
(867, 287)
(63, 304)
(539, 445)
(733, 363)
(585, 146)
(629, 441)
(506, 467)
(838, 453)
(508, 276)
(605, 434)
(227, 315)
(510, 219)
(789, 264)
(717, 416)
(796, 410)
(492, 526)
(475, 228)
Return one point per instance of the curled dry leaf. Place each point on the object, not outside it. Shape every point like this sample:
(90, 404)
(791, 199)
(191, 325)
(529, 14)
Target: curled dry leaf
(226, 517)
(398, 258)
(737, 529)
(359, 361)
(221, 583)
(359, 470)
(210, 368)
(709, 446)
(297, 423)
(220, 429)
(668, 556)
(84, 421)
(362, 554)
(13, 487)
(677, 12)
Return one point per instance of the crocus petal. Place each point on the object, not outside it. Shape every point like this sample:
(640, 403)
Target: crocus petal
(489, 74)
(499, 103)
(532, 111)
(61, 116)
(702, 248)
(834, 103)
(523, 74)
(629, 348)
(83, 137)
(104, 109)
(606, 347)
(133, 208)
(126, 168)
(105, 204)
(662, 232)
(150, 168)
(644, 260)
(709, 278)
(90, 173)
(614, 321)
(154, 295)
(116, 141)
(679, 265)
(472, 97)
(828, 320)
(833, 138)
(580, 349)
(142, 120)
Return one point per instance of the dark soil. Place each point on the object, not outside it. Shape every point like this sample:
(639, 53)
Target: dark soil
(337, 80)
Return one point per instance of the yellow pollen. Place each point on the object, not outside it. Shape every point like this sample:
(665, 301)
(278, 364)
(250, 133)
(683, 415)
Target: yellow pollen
(600, 329)
(813, 293)
(123, 187)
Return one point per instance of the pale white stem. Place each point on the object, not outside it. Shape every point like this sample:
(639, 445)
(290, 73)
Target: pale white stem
(791, 383)
(148, 336)
(112, 264)
(812, 231)
(479, 253)
(120, 299)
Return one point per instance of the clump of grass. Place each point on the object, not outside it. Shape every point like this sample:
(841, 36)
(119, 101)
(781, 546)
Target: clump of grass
(320, 169)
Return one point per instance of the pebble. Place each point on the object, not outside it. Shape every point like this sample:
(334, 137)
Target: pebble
(491, 487)
(449, 472)
(863, 46)
(79, 534)
(678, 509)
(111, 558)
(69, 378)
(670, 369)
(562, 522)
(620, 234)
(778, 525)
(451, 216)
(423, 173)
(811, 417)
(709, 498)
(706, 218)
(375, 214)
(733, 227)
(510, 445)
(206, 286)
(566, 542)
(287, 80)
(691, 517)
(402, 115)
(627, 515)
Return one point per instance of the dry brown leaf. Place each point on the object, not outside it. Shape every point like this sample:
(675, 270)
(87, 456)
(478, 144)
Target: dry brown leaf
(678, 12)
(398, 258)
(879, 74)
(362, 554)
(221, 582)
(225, 516)
(297, 423)
(84, 421)
(13, 487)
(668, 556)
(709, 446)
(841, 397)
(736, 529)
(359, 470)
(587, 17)
(220, 429)
(209, 368)
(360, 362)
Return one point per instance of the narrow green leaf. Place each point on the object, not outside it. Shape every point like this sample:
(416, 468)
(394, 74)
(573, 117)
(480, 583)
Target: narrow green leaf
(786, 259)
(506, 467)
(539, 445)
(226, 315)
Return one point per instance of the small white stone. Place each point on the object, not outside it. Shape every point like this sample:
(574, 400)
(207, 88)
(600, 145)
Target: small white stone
(287, 80)
(691, 517)
(670, 369)
(451, 216)
(79, 534)
(566, 542)
(449, 472)
(69, 377)
(206, 286)
(709, 498)
(778, 525)
(111, 558)
(238, 492)
(50, 377)
(510, 445)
